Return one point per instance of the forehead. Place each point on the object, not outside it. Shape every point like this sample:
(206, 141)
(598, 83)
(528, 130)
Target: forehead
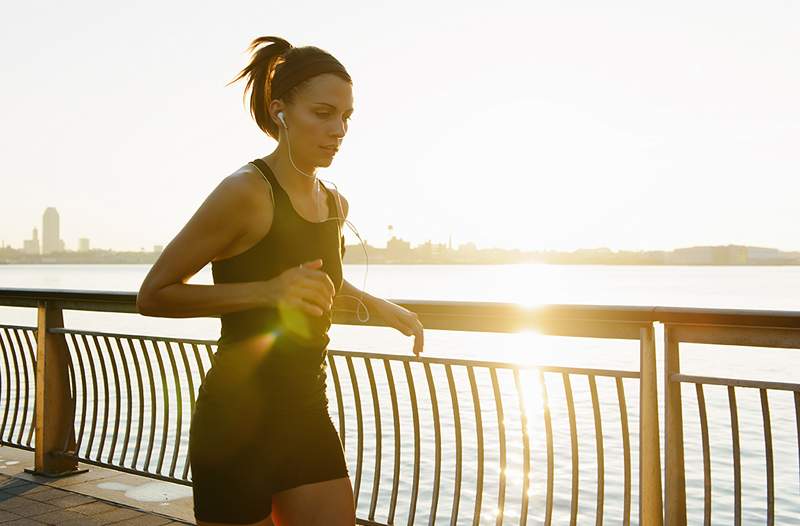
(329, 88)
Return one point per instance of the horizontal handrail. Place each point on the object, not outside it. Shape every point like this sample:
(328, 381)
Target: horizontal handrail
(508, 316)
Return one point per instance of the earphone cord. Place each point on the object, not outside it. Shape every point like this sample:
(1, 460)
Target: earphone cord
(346, 221)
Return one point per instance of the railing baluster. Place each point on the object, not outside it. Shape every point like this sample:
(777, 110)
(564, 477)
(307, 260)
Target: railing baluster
(93, 425)
(501, 431)
(797, 421)
(135, 349)
(337, 384)
(162, 374)
(200, 369)
(737, 457)
(16, 386)
(84, 391)
(118, 394)
(105, 380)
(437, 469)
(396, 423)
(598, 435)
(626, 451)
(123, 353)
(189, 378)
(69, 445)
(412, 394)
(376, 410)
(27, 388)
(212, 358)
(573, 438)
(178, 402)
(769, 458)
(548, 429)
(457, 430)
(359, 426)
(5, 351)
(476, 403)
(153, 402)
(526, 467)
(30, 345)
(701, 405)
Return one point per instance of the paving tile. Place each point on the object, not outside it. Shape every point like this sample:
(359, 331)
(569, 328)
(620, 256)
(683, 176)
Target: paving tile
(23, 522)
(25, 489)
(147, 520)
(57, 517)
(10, 502)
(119, 514)
(33, 508)
(47, 494)
(7, 516)
(9, 482)
(83, 521)
(71, 500)
(92, 508)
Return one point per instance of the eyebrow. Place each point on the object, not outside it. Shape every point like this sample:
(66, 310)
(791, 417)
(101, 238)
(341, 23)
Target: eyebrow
(331, 105)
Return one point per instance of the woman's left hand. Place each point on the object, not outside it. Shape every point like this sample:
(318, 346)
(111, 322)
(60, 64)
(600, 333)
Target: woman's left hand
(403, 320)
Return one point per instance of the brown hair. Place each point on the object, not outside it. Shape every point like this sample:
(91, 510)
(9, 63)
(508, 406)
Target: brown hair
(270, 61)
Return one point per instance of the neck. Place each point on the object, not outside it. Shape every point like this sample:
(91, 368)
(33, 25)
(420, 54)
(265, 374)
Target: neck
(289, 176)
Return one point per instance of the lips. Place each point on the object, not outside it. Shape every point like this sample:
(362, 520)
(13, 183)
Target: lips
(330, 149)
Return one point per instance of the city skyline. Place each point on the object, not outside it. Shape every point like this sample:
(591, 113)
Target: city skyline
(530, 126)
(51, 224)
(399, 250)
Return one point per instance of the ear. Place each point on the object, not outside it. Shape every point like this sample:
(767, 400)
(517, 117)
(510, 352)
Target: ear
(274, 107)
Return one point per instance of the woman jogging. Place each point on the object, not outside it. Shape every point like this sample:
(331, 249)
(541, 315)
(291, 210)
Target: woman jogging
(262, 447)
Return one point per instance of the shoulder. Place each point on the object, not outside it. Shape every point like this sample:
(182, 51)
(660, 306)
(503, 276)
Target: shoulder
(341, 201)
(246, 186)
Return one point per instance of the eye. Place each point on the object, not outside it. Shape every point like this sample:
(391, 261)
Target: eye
(322, 114)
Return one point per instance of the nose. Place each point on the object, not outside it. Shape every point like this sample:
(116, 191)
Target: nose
(339, 129)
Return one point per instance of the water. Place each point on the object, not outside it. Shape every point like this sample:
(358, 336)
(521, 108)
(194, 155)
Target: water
(774, 288)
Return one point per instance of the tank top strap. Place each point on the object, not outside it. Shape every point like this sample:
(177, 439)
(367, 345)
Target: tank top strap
(267, 173)
(333, 207)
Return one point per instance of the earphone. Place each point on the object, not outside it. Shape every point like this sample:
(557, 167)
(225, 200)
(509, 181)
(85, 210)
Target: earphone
(355, 231)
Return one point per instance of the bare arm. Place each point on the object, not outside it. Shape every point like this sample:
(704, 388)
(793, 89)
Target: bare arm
(221, 219)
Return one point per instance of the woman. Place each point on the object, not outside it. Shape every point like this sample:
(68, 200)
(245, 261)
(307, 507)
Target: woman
(262, 447)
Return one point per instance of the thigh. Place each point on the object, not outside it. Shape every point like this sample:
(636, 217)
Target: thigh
(327, 503)
(230, 475)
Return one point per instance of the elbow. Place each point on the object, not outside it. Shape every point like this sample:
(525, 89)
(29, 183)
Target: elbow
(144, 302)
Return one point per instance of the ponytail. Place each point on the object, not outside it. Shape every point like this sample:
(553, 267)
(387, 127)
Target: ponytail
(259, 74)
(284, 68)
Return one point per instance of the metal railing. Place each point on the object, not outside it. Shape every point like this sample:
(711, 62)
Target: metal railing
(434, 440)
(731, 328)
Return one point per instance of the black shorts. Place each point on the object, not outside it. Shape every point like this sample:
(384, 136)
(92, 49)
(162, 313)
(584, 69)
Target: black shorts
(242, 450)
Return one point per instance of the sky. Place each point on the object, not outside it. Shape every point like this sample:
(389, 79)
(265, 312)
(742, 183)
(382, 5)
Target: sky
(532, 125)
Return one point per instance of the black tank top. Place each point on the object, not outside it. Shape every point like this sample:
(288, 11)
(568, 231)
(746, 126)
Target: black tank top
(291, 240)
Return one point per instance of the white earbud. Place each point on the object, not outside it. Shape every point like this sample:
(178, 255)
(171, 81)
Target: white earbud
(280, 117)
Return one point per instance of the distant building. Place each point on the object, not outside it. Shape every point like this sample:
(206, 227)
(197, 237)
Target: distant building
(767, 255)
(397, 248)
(467, 248)
(31, 246)
(51, 242)
(722, 255)
(83, 244)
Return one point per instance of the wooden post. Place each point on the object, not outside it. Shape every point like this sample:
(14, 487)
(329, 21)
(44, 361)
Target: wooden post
(651, 510)
(54, 415)
(675, 474)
